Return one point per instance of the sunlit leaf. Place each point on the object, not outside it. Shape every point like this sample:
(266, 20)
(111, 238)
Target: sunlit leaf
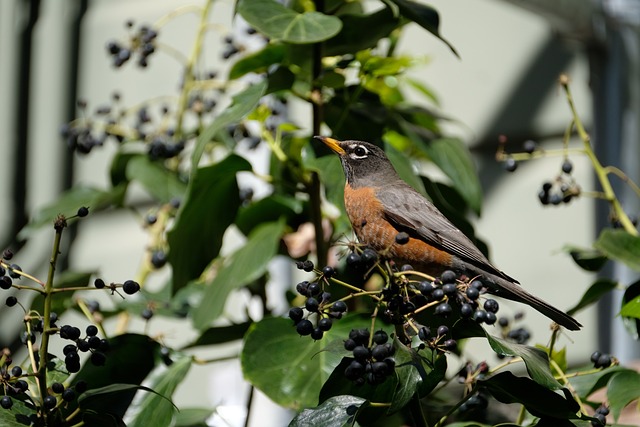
(243, 266)
(620, 246)
(279, 22)
(337, 411)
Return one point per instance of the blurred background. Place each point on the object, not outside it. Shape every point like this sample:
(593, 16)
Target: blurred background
(505, 82)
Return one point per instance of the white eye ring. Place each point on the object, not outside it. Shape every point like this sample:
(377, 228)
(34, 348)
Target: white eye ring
(359, 152)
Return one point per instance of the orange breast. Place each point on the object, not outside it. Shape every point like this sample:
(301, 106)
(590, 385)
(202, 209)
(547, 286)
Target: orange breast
(367, 217)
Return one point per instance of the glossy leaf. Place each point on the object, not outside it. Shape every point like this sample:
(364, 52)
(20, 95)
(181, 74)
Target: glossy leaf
(272, 348)
(586, 258)
(631, 309)
(425, 16)
(270, 208)
(584, 385)
(351, 38)
(337, 411)
(241, 105)
(260, 61)
(195, 242)
(539, 400)
(193, 417)
(631, 322)
(593, 295)
(245, 265)
(279, 22)
(120, 368)
(620, 246)
(155, 409)
(221, 334)
(453, 158)
(536, 360)
(68, 203)
(623, 388)
(161, 183)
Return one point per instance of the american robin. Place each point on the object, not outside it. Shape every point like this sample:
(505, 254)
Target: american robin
(380, 205)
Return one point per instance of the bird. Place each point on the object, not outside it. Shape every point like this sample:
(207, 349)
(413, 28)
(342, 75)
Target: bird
(380, 205)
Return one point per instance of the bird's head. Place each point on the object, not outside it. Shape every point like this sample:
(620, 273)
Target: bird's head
(364, 164)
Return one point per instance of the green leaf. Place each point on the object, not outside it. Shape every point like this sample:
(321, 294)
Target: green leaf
(623, 388)
(210, 206)
(536, 360)
(89, 396)
(288, 368)
(155, 409)
(621, 246)
(584, 385)
(258, 62)
(414, 375)
(453, 158)
(221, 334)
(587, 259)
(404, 168)
(351, 38)
(631, 309)
(18, 415)
(68, 203)
(539, 400)
(120, 368)
(243, 266)
(281, 23)
(268, 209)
(160, 182)
(241, 105)
(331, 413)
(593, 295)
(425, 16)
(193, 417)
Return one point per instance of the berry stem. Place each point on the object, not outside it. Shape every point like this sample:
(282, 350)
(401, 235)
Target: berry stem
(188, 71)
(46, 317)
(23, 274)
(601, 172)
(623, 176)
(566, 383)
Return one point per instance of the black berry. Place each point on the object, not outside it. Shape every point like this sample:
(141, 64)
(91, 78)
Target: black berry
(312, 304)
(11, 301)
(529, 146)
(328, 271)
(158, 258)
(510, 165)
(339, 306)
(296, 314)
(380, 337)
(304, 327)
(130, 287)
(99, 283)
(567, 166)
(491, 305)
(448, 276)
(50, 402)
(6, 402)
(57, 387)
(443, 309)
(325, 324)
(402, 238)
(69, 395)
(83, 211)
(92, 330)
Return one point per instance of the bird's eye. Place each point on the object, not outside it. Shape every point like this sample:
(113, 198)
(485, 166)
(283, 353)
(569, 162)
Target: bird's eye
(360, 151)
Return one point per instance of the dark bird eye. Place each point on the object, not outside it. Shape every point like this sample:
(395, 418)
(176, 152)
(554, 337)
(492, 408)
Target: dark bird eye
(360, 151)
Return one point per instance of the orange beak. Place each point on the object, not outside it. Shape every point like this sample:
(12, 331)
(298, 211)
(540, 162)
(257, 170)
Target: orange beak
(334, 144)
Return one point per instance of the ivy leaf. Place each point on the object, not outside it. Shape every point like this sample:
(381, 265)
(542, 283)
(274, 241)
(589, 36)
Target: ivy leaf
(193, 417)
(220, 335)
(584, 385)
(593, 294)
(620, 246)
(161, 183)
(535, 360)
(337, 411)
(586, 258)
(241, 105)
(195, 240)
(68, 203)
(623, 388)
(243, 266)
(288, 368)
(260, 61)
(453, 158)
(351, 38)
(631, 309)
(425, 16)
(155, 408)
(538, 400)
(279, 22)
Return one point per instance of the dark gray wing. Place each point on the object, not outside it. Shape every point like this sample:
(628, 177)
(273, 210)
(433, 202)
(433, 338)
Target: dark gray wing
(409, 211)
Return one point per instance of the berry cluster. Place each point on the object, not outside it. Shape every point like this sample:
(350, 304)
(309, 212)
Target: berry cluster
(141, 41)
(317, 302)
(602, 360)
(129, 287)
(561, 190)
(440, 341)
(11, 380)
(373, 358)
(89, 343)
(601, 415)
